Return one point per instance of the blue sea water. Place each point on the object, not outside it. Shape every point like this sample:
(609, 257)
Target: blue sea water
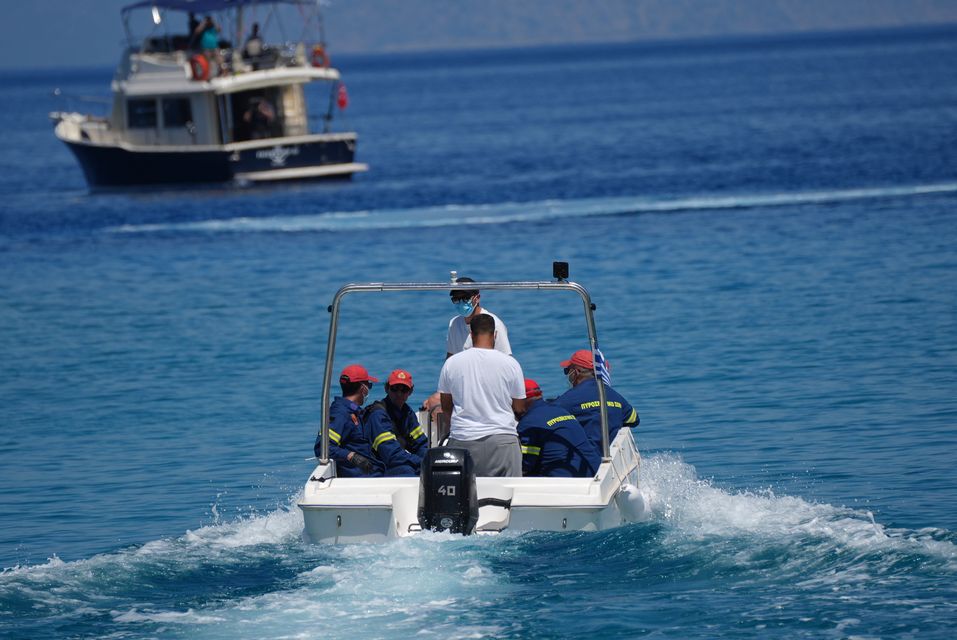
(768, 228)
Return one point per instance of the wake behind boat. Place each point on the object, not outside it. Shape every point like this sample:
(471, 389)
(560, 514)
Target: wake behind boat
(203, 102)
(447, 495)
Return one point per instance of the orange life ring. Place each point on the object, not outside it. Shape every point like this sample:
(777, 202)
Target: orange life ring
(319, 56)
(199, 65)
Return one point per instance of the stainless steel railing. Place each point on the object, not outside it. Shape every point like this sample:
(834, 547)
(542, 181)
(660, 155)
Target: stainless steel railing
(381, 287)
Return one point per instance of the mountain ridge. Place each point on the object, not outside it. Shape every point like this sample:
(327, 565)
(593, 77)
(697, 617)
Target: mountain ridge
(421, 25)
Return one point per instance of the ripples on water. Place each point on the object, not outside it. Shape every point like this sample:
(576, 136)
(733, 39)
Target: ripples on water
(253, 576)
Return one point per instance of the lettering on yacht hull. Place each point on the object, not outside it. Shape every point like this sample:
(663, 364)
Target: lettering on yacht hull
(278, 155)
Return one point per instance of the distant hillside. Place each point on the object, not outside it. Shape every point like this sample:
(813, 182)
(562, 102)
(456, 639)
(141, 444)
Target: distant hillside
(407, 25)
(89, 32)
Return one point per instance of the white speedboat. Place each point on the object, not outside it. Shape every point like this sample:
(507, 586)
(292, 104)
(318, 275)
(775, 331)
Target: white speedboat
(183, 113)
(447, 496)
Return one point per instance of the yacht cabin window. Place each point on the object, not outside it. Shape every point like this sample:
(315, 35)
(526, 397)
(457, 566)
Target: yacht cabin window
(141, 113)
(176, 112)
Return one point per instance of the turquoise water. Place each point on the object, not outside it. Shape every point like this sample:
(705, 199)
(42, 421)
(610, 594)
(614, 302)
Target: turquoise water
(768, 230)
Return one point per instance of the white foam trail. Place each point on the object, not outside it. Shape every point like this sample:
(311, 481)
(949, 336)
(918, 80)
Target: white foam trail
(392, 589)
(698, 510)
(214, 541)
(175, 617)
(433, 581)
(522, 211)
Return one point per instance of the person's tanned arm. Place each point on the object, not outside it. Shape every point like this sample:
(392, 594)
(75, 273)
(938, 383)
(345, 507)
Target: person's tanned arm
(446, 400)
(518, 407)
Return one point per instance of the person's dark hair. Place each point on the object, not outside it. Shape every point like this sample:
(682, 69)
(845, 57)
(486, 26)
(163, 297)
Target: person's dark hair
(350, 388)
(483, 323)
(462, 293)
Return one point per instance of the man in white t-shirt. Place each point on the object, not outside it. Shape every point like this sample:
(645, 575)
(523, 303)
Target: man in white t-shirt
(468, 304)
(484, 392)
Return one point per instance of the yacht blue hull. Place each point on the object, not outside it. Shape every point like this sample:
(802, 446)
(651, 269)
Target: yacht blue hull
(111, 166)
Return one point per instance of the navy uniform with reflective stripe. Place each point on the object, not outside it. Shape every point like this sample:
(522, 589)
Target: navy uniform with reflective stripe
(555, 444)
(347, 433)
(582, 402)
(397, 439)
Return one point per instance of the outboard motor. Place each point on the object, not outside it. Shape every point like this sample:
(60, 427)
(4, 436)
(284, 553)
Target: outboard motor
(447, 496)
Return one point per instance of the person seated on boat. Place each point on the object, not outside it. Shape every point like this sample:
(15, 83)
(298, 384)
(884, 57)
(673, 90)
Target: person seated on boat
(253, 48)
(397, 439)
(349, 443)
(553, 442)
(258, 119)
(582, 400)
(483, 390)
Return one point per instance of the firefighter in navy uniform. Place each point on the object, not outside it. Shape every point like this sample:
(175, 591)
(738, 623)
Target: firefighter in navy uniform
(553, 442)
(398, 441)
(582, 400)
(349, 443)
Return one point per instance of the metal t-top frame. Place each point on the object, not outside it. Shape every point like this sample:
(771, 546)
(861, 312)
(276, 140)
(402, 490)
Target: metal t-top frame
(379, 287)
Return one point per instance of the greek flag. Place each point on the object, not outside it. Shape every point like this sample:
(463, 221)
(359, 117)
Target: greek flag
(601, 369)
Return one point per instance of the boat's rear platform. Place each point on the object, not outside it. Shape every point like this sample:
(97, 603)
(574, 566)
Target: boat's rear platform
(376, 509)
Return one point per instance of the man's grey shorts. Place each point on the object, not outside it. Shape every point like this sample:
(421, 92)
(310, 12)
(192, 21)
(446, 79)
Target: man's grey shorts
(495, 455)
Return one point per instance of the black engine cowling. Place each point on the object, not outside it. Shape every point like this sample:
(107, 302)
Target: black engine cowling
(447, 495)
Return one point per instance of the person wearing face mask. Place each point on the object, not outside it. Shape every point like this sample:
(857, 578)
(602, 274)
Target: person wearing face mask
(349, 442)
(468, 303)
(582, 399)
(397, 439)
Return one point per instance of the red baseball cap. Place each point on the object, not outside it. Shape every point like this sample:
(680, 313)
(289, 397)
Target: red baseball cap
(532, 390)
(356, 373)
(400, 376)
(581, 358)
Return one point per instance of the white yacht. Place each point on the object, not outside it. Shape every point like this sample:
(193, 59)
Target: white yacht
(447, 496)
(230, 107)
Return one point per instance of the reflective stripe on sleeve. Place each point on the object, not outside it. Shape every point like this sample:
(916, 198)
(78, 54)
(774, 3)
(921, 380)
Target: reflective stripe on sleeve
(383, 437)
(416, 433)
(531, 451)
(335, 437)
(632, 418)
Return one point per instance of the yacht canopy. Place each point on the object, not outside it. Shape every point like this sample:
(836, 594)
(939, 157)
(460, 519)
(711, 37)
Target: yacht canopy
(207, 6)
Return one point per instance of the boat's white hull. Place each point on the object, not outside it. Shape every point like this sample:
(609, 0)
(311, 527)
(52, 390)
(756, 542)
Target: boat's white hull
(339, 510)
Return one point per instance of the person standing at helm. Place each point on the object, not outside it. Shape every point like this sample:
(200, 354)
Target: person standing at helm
(582, 400)
(349, 443)
(483, 390)
(206, 34)
(468, 302)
